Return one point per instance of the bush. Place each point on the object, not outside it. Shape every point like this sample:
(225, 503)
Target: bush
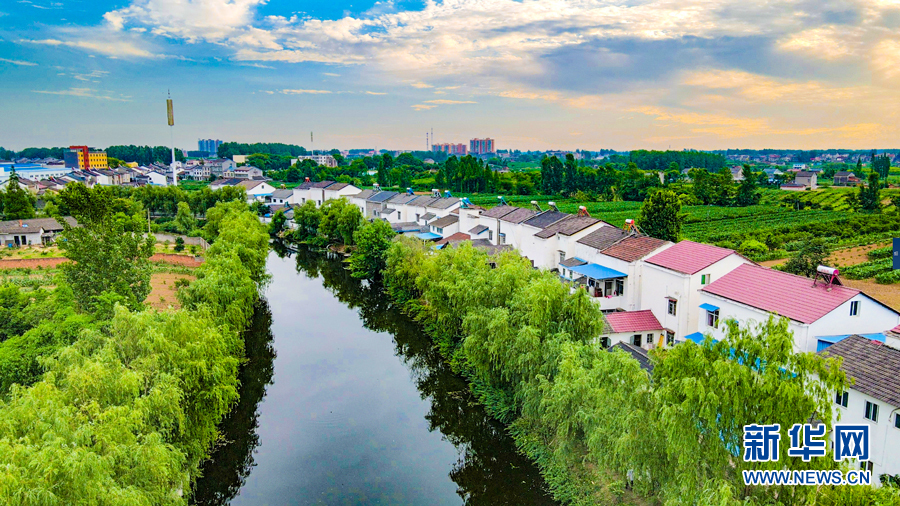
(179, 244)
(753, 248)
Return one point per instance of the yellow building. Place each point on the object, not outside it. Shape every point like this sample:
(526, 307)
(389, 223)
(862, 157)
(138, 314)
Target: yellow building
(75, 158)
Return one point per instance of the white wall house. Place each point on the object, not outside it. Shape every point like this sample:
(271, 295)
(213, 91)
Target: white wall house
(281, 197)
(257, 190)
(638, 328)
(157, 179)
(444, 227)
(873, 399)
(672, 279)
(819, 314)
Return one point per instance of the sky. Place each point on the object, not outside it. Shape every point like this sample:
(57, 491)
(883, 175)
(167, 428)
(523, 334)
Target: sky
(531, 74)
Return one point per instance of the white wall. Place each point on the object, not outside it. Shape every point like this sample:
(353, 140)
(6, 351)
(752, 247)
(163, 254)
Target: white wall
(656, 337)
(884, 438)
(658, 285)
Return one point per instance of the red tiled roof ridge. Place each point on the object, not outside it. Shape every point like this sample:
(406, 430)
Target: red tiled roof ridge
(633, 321)
(689, 257)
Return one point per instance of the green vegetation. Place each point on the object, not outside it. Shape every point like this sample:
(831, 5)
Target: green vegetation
(809, 257)
(661, 216)
(121, 406)
(143, 155)
(17, 203)
(588, 416)
(369, 257)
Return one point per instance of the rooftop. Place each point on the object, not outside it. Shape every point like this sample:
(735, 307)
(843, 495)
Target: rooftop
(34, 225)
(632, 321)
(603, 237)
(445, 221)
(689, 257)
(781, 293)
(568, 226)
(381, 196)
(518, 216)
(633, 248)
(636, 352)
(545, 219)
(459, 236)
(478, 229)
(872, 366)
(499, 211)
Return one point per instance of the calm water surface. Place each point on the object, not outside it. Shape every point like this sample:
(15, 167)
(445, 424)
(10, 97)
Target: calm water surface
(344, 401)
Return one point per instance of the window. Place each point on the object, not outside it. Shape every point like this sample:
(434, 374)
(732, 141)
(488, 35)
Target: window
(503, 239)
(840, 398)
(398, 215)
(670, 338)
(417, 216)
(490, 235)
(620, 286)
(871, 411)
(705, 279)
(604, 341)
(854, 308)
(712, 318)
(636, 339)
(673, 307)
(897, 420)
(562, 255)
(650, 339)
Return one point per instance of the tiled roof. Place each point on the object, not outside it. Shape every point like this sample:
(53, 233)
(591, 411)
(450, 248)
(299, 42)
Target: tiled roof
(603, 237)
(34, 225)
(309, 184)
(381, 196)
(518, 216)
(545, 219)
(636, 352)
(250, 183)
(459, 236)
(337, 186)
(444, 203)
(445, 221)
(572, 262)
(499, 211)
(402, 198)
(689, 257)
(478, 229)
(282, 194)
(633, 248)
(872, 366)
(780, 292)
(568, 226)
(365, 194)
(422, 201)
(322, 184)
(427, 216)
(632, 321)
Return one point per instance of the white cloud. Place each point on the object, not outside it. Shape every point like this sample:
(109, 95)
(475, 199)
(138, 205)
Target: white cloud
(375, 93)
(84, 93)
(19, 62)
(194, 20)
(423, 107)
(113, 48)
(449, 102)
(304, 92)
(421, 85)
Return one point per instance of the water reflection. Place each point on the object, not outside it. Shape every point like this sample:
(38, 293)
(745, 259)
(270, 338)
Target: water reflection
(229, 465)
(489, 471)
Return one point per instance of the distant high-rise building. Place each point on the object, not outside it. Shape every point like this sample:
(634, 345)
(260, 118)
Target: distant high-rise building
(211, 146)
(481, 146)
(82, 157)
(450, 148)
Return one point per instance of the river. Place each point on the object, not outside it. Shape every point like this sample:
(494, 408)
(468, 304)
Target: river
(344, 400)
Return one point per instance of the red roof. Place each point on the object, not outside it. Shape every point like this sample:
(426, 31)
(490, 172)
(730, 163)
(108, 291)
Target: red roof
(689, 257)
(459, 236)
(632, 321)
(781, 293)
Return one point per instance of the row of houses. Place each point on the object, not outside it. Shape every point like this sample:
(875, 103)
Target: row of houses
(656, 293)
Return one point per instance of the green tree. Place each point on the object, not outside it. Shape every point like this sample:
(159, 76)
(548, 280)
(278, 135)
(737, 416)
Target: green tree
(812, 253)
(869, 196)
(109, 252)
(747, 194)
(278, 223)
(184, 218)
(340, 219)
(18, 203)
(661, 216)
(307, 217)
(372, 242)
(179, 244)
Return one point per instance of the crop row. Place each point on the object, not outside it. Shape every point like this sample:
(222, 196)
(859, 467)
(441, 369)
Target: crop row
(868, 269)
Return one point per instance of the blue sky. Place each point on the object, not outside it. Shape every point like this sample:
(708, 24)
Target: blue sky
(541, 74)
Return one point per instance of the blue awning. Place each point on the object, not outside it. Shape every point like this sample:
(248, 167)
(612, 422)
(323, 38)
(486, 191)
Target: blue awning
(698, 338)
(708, 307)
(428, 236)
(826, 341)
(597, 272)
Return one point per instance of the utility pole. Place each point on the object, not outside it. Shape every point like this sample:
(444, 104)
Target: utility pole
(171, 115)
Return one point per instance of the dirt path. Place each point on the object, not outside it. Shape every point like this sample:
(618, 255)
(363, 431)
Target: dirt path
(162, 293)
(49, 263)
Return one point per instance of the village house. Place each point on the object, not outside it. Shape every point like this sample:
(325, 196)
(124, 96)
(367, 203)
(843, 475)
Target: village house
(31, 232)
(257, 191)
(873, 399)
(281, 197)
(637, 328)
(844, 178)
(820, 313)
(672, 279)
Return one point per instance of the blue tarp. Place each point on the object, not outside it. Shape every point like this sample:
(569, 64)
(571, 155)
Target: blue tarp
(428, 236)
(698, 338)
(826, 341)
(597, 272)
(709, 307)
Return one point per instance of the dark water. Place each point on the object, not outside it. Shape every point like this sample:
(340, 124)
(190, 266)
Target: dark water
(357, 408)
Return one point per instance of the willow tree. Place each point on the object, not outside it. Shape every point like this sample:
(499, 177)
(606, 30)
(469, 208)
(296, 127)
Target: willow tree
(109, 252)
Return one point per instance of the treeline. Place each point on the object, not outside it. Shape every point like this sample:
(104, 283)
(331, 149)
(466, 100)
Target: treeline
(144, 155)
(6, 154)
(229, 149)
(593, 420)
(112, 403)
(661, 161)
